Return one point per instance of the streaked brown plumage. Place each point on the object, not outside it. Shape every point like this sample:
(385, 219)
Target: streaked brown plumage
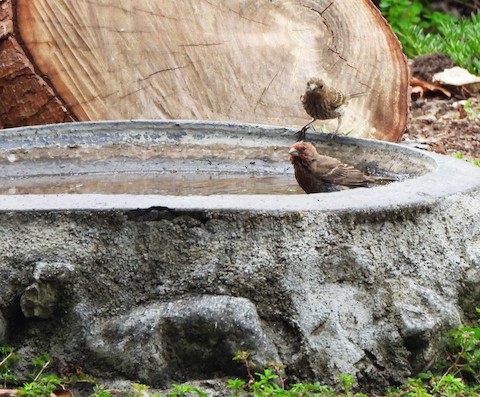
(316, 173)
(322, 102)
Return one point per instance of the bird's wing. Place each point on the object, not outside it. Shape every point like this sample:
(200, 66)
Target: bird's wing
(309, 182)
(334, 171)
(335, 97)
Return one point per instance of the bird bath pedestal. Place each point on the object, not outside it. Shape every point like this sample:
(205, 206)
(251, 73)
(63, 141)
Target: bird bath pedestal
(155, 250)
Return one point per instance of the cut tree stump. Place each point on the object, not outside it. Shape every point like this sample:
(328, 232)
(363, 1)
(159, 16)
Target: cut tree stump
(238, 60)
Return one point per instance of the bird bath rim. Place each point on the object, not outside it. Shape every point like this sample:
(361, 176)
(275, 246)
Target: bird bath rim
(429, 187)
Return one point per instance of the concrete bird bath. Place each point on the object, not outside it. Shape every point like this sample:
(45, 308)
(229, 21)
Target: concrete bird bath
(163, 247)
(177, 164)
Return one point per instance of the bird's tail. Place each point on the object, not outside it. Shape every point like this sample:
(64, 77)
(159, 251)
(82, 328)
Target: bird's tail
(381, 180)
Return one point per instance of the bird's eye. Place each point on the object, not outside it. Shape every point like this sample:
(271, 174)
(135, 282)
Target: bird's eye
(320, 86)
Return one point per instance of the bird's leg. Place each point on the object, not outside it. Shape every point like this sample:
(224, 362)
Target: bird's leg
(301, 133)
(339, 124)
(338, 127)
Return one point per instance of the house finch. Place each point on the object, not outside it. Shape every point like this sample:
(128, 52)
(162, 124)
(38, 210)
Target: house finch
(316, 173)
(323, 103)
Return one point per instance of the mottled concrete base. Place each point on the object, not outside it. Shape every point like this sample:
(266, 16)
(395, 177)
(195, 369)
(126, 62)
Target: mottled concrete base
(366, 287)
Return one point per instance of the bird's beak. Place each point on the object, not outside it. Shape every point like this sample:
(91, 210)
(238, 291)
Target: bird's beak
(293, 152)
(312, 86)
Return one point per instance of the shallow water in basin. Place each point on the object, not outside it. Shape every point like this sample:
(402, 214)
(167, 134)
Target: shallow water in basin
(161, 169)
(176, 184)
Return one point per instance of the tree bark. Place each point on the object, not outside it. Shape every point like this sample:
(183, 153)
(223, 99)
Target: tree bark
(239, 60)
(25, 97)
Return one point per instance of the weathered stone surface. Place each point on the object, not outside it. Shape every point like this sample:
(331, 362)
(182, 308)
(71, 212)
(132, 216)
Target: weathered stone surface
(58, 271)
(190, 338)
(364, 281)
(39, 300)
(3, 329)
(366, 293)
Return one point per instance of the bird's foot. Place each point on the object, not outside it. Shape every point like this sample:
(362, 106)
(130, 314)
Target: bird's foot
(333, 135)
(300, 134)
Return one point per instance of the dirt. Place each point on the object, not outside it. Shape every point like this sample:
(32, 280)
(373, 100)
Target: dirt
(441, 125)
(438, 123)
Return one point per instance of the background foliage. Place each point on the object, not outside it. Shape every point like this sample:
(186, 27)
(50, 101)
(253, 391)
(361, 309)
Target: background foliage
(422, 30)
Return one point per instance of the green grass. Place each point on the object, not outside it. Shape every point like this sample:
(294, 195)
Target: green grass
(461, 156)
(456, 374)
(422, 31)
(472, 110)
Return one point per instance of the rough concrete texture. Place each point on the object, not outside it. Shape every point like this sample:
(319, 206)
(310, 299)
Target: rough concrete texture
(367, 293)
(164, 289)
(3, 329)
(183, 339)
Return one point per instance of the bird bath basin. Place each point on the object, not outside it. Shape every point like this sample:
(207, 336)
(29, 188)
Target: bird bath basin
(199, 164)
(146, 249)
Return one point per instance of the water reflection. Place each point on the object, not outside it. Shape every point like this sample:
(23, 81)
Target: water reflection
(179, 184)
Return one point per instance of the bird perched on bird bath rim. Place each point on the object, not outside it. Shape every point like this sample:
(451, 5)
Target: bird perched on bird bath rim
(322, 102)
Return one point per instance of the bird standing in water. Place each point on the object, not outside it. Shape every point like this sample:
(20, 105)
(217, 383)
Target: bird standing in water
(322, 102)
(316, 173)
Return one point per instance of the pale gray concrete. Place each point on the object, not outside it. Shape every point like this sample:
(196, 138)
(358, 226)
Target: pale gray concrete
(364, 281)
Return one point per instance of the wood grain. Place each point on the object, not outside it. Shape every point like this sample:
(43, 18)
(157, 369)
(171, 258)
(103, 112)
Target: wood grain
(241, 60)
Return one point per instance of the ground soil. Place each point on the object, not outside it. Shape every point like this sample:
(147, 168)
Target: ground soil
(441, 125)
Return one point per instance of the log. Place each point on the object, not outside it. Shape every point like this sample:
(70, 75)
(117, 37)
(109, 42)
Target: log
(239, 60)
